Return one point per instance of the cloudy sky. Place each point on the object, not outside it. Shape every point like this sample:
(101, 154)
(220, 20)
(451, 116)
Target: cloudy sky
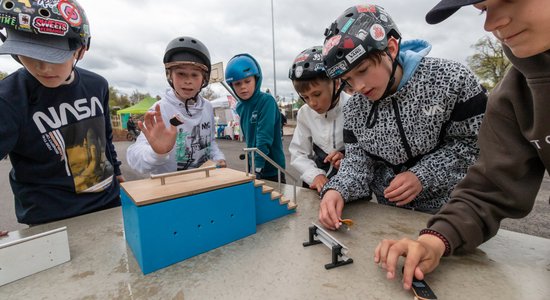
(129, 37)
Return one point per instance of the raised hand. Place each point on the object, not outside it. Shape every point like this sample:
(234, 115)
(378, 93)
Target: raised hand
(161, 138)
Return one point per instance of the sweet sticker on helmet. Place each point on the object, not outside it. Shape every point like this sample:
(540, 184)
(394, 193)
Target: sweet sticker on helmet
(50, 26)
(377, 32)
(70, 13)
(333, 41)
(355, 54)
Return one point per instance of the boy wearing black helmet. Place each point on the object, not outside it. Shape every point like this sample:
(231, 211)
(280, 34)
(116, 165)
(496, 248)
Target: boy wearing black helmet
(178, 130)
(317, 146)
(55, 116)
(411, 127)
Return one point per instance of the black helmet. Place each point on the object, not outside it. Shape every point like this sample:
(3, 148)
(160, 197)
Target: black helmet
(188, 49)
(308, 65)
(358, 31)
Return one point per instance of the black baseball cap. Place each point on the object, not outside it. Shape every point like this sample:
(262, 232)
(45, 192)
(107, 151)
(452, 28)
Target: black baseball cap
(445, 8)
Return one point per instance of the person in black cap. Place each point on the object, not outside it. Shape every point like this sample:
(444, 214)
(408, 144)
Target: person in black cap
(55, 117)
(514, 142)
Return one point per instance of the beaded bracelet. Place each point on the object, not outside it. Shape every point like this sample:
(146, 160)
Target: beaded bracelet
(440, 236)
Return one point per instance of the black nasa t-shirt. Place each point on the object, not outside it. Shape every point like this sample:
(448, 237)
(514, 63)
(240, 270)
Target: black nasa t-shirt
(59, 141)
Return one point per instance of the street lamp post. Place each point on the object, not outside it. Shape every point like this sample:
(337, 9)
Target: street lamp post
(273, 38)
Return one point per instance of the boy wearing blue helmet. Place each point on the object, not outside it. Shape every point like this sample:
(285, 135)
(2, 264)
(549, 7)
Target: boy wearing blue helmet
(259, 114)
(55, 116)
(317, 146)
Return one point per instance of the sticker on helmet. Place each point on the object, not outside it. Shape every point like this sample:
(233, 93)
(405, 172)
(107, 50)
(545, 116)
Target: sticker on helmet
(319, 67)
(299, 71)
(301, 58)
(25, 22)
(47, 3)
(384, 18)
(70, 13)
(377, 32)
(333, 41)
(317, 57)
(355, 54)
(6, 19)
(366, 8)
(361, 34)
(337, 69)
(49, 26)
(347, 25)
(348, 43)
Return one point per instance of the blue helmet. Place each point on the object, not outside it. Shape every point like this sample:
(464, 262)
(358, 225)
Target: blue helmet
(240, 67)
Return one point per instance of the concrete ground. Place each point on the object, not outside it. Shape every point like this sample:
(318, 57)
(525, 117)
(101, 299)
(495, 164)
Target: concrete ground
(536, 223)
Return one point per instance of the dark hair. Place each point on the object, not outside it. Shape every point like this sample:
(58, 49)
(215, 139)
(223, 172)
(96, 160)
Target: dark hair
(302, 86)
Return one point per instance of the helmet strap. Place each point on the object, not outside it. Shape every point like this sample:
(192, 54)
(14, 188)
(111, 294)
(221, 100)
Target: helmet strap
(391, 81)
(74, 65)
(336, 94)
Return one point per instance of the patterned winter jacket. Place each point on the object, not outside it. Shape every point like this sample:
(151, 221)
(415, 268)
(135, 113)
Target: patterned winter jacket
(429, 127)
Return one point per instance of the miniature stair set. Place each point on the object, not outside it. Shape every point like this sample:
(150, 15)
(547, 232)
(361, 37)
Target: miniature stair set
(270, 204)
(187, 213)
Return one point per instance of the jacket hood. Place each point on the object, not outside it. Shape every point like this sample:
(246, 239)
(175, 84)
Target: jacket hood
(259, 79)
(410, 54)
(530, 67)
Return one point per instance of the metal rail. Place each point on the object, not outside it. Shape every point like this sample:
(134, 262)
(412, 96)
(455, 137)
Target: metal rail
(164, 175)
(273, 163)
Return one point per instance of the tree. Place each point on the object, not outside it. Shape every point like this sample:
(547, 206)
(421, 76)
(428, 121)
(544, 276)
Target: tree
(137, 96)
(117, 99)
(489, 62)
(209, 94)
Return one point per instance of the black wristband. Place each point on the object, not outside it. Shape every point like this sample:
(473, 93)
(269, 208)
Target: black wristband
(440, 236)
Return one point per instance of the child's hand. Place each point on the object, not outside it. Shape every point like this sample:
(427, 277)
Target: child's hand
(160, 138)
(334, 158)
(120, 178)
(318, 182)
(221, 163)
(403, 188)
(421, 256)
(330, 211)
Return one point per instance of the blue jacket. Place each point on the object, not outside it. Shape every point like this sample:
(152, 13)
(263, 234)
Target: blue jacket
(261, 126)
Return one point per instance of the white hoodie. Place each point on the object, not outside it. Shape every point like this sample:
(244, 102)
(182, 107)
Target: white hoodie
(324, 130)
(195, 142)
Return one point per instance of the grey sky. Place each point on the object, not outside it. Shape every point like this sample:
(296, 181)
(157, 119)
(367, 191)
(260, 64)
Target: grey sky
(129, 37)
